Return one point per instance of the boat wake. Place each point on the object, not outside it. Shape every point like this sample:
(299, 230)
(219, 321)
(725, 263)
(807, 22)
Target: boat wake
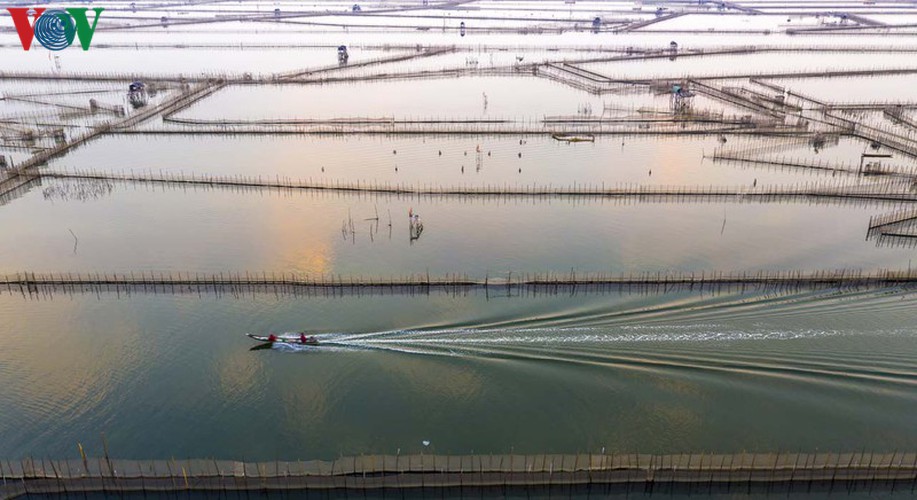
(660, 349)
(450, 341)
(792, 337)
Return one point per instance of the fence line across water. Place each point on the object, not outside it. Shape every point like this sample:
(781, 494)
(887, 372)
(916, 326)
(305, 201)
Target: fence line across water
(745, 471)
(890, 191)
(39, 285)
(877, 168)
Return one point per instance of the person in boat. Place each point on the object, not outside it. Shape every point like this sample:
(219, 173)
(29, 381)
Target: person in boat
(303, 339)
(272, 338)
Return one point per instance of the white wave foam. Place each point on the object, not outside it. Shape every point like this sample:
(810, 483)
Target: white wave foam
(681, 333)
(451, 341)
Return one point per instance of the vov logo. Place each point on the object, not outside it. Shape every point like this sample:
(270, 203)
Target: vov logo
(54, 29)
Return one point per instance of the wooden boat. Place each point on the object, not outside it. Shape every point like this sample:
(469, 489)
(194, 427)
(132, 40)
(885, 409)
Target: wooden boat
(574, 137)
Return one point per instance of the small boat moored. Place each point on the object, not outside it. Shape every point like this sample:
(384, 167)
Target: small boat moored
(574, 137)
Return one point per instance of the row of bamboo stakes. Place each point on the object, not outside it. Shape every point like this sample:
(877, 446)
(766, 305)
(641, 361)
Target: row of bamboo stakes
(746, 471)
(889, 191)
(284, 283)
(617, 52)
(819, 165)
(878, 222)
(300, 77)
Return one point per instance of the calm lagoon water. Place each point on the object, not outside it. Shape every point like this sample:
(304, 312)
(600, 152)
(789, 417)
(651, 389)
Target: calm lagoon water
(625, 371)
(628, 372)
(136, 228)
(165, 375)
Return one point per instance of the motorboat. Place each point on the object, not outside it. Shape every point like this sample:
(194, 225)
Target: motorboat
(271, 339)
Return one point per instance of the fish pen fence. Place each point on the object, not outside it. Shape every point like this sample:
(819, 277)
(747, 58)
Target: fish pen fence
(15, 187)
(17, 180)
(441, 73)
(766, 146)
(840, 73)
(733, 96)
(546, 69)
(427, 52)
(880, 222)
(819, 166)
(238, 284)
(629, 53)
(180, 100)
(897, 115)
(887, 137)
(625, 54)
(8, 182)
(113, 77)
(896, 239)
(600, 473)
(781, 89)
(572, 76)
(894, 229)
(686, 125)
(884, 192)
(75, 188)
